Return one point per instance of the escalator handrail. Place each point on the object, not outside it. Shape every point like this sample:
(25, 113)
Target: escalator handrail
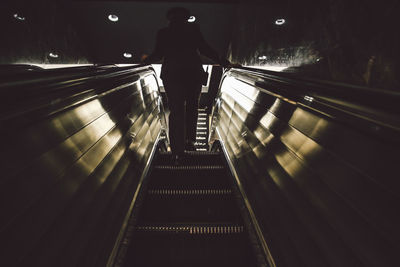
(52, 85)
(376, 110)
(377, 97)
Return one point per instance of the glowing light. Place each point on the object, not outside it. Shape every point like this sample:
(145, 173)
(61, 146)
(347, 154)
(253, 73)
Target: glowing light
(113, 18)
(192, 19)
(280, 21)
(54, 66)
(269, 67)
(309, 98)
(262, 57)
(127, 55)
(19, 17)
(53, 55)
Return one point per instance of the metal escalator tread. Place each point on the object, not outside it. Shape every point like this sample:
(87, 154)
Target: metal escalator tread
(189, 217)
(191, 158)
(189, 167)
(211, 229)
(189, 192)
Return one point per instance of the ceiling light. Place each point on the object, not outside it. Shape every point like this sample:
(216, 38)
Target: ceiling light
(53, 55)
(127, 55)
(191, 19)
(113, 18)
(280, 21)
(309, 98)
(19, 17)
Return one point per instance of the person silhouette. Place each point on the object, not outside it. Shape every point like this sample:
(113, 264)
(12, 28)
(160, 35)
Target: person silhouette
(182, 73)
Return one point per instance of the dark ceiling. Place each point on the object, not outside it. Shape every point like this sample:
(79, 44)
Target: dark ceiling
(138, 23)
(80, 31)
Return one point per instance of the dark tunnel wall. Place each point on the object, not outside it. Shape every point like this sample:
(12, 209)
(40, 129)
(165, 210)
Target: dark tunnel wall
(44, 27)
(352, 41)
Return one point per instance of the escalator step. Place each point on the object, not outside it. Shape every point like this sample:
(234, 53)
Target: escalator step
(189, 216)
(191, 158)
(189, 178)
(190, 246)
(198, 206)
(188, 167)
(217, 229)
(191, 192)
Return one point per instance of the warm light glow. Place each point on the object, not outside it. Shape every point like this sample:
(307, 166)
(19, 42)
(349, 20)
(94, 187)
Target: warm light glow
(53, 55)
(269, 67)
(192, 19)
(56, 66)
(242, 93)
(280, 21)
(127, 55)
(19, 17)
(309, 98)
(113, 18)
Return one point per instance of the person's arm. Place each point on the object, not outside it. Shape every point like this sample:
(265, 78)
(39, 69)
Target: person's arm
(158, 52)
(206, 50)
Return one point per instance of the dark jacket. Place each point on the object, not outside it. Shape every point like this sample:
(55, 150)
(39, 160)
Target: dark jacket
(179, 45)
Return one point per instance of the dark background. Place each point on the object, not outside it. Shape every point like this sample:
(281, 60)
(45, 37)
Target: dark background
(351, 41)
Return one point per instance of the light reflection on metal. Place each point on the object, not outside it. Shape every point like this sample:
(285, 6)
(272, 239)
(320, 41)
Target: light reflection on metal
(127, 55)
(262, 57)
(192, 19)
(280, 21)
(233, 87)
(113, 18)
(53, 55)
(19, 17)
(267, 120)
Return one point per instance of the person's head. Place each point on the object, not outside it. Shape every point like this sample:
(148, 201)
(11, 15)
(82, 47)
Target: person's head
(178, 14)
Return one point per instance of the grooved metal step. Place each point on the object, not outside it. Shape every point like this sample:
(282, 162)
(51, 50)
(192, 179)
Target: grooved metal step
(189, 191)
(193, 229)
(208, 153)
(188, 167)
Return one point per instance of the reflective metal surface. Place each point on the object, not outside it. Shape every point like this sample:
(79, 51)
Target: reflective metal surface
(73, 153)
(319, 181)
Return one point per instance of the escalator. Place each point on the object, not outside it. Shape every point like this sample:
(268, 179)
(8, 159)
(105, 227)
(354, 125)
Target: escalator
(86, 180)
(189, 216)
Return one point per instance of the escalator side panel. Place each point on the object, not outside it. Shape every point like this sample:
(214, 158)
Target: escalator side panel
(68, 195)
(322, 192)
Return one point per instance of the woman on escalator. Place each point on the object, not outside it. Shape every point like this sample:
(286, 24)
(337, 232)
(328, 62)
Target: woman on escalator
(182, 73)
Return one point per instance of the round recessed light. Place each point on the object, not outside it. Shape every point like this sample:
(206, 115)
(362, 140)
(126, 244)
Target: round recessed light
(53, 55)
(113, 18)
(191, 19)
(19, 17)
(127, 55)
(280, 21)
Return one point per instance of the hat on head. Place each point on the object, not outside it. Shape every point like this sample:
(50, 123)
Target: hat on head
(178, 14)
